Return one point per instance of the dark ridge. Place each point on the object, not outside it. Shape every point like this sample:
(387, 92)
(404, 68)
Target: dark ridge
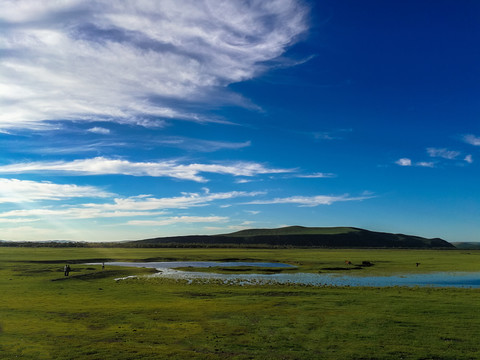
(285, 237)
(339, 237)
(467, 245)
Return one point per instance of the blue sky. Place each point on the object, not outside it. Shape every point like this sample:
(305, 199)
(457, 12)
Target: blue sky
(136, 119)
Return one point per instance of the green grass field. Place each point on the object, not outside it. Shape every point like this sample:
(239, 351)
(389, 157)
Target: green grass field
(44, 315)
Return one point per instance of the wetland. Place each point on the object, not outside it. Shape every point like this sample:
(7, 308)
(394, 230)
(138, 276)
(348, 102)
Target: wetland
(88, 315)
(248, 273)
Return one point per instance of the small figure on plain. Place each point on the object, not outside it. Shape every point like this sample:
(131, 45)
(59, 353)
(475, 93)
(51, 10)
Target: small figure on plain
(103, 266)
(66, 269)
(417, 264)
(348, 262)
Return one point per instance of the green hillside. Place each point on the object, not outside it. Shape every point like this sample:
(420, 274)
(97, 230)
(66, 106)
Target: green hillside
(293, 230)
(298, 236)
(284, 237)
(467, 245)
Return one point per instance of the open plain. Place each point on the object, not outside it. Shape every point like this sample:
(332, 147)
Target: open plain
(89, 315)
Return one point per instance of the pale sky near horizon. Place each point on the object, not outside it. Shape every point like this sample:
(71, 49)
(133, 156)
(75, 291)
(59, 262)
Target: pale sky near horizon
(135, 119)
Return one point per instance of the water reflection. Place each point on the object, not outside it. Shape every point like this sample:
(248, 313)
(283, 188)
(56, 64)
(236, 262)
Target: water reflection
(161, 265)
(441, 279)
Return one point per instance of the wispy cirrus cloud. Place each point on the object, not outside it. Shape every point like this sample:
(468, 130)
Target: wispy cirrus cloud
(409, 162)
(99, 130)
(75, 212)
(185, 201)
(20, 191)
(136, 206)
(428, 164)
(135, 62)
(179, 220)
(202, 145)
(336, 134)
(318, 175)
(70, 143)
(440, 153)
(472, 139)
(16, 221)
(443, 153)
(104, 166)
(311, 201)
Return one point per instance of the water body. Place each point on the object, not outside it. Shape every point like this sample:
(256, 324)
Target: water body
(440, 279)
(162, 265)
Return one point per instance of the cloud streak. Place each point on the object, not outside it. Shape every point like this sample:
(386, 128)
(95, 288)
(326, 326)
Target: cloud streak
(408, 162)
(443, 153)
(472, 140)
(200, 145)
(21, 191)
(310, 201)
(105, 166)
(135, 62)
(143, 205)
(99, 130)
(179, 220)
(317, 175)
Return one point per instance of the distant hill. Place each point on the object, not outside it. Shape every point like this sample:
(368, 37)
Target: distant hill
(467, 245)
(298, 236)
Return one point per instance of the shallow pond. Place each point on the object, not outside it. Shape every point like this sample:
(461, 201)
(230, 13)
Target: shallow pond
(440, 279)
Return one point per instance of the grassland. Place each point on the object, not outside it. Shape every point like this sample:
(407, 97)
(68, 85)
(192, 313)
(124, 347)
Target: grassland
(88, 315)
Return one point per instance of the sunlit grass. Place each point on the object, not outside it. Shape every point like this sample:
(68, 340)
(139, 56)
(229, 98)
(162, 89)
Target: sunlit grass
(90, 316)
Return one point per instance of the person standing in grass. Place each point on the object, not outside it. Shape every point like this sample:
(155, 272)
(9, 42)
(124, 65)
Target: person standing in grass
(66, 269)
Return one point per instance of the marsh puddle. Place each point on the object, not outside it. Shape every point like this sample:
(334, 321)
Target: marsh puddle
(162, 265)
(440, 279)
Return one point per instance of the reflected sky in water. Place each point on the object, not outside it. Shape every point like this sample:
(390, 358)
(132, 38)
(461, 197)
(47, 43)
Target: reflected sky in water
(440, 279)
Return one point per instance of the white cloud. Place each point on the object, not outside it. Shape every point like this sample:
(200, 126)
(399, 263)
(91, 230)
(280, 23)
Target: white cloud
(143, 205)
(243, 181)
(443, 153)
(179, 220)
(19, 191)
(75, 213)
(180, 202)
(404, 162)
(202, 145)
(125, 61)
(99, 130)
(408, 162)
(310, 201)
(104, 166)
(16, 221)
(472, 140)
(469, 159)
(425, 164)
(317, 176)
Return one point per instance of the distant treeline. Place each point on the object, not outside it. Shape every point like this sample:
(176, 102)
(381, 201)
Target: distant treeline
(133, 244)
(43, 244)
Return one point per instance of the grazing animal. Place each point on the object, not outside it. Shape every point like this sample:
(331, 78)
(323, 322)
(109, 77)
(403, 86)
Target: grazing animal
(348, 262)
